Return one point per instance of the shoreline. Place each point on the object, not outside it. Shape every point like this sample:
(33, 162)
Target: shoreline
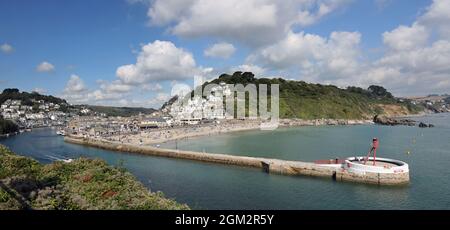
(164, 135)
(8, 135)
(421, 115)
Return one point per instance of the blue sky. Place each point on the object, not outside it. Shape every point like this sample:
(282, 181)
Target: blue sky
(82, 44)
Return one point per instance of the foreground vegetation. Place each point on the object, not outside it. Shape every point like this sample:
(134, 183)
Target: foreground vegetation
(79, 185)
(299, 99)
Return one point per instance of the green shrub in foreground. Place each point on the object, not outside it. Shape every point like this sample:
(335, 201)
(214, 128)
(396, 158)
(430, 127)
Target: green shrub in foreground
(81, 184)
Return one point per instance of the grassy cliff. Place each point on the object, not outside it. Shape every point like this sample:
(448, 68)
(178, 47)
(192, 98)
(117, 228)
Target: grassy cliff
(79, 185)
(299, 99)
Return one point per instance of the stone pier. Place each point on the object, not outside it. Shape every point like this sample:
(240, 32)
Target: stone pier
(294, 168)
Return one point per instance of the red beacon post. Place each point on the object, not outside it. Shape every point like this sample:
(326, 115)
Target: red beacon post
(375, 145)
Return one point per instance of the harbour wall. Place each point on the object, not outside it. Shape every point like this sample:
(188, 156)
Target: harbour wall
(294, 168)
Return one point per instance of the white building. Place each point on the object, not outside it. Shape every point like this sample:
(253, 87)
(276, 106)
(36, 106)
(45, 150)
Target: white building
(198, 108)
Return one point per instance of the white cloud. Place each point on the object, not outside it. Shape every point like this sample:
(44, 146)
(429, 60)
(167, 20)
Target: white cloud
(156, 62)
(159, 61)
(416, 60)
(257, 70)
(163, 12)
(45, 67)
(421, 70)
(220, 50)
(232, 18)
(6, 48)
(115, 87)
(75, 91)
(308, 16)
(108, 93)
(100, 95)
(180, 89)
(406, 38)
(158, 100)
(75, 85)
(316, 58)
(437, 17)
(152, 87)
(40, 90)
(254, 22)
(154, 102)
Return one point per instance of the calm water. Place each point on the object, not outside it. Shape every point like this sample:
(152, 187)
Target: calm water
(212, 186)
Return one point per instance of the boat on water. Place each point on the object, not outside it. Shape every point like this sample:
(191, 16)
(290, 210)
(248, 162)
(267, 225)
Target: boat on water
(67, 160)
(57, 158)
(61, 132)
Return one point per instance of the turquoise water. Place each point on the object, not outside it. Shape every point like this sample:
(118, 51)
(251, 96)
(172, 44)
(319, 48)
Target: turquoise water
(213, 186)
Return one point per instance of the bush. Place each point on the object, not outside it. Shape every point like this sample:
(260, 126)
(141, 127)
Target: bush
(81, 184)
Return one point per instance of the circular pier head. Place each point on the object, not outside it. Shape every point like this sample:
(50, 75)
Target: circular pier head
(384, 171)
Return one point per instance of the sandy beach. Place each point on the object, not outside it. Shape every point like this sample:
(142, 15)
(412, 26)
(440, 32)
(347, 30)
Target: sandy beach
(161, 135)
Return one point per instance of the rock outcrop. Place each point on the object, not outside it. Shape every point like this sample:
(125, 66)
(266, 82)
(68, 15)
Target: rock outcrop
(384, 120)
(424, 125)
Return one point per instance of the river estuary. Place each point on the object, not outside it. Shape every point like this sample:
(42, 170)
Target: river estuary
(215, 186)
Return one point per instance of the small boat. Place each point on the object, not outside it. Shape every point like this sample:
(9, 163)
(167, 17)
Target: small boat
(61, 132)
(67, 160)
(57, 158)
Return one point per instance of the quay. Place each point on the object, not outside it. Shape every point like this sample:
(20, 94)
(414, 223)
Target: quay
(348, 170)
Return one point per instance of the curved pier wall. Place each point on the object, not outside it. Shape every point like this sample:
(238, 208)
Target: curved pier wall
(267, 165)
(374, 178)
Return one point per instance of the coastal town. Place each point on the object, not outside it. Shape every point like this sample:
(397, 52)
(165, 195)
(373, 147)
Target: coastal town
(43, 115)
(433, 103)
(195, 117)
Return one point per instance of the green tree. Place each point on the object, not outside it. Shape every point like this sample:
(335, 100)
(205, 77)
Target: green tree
(379, 92)
(7, 126)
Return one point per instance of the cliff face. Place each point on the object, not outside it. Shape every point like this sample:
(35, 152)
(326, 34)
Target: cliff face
(81, 184)
(394, 110)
